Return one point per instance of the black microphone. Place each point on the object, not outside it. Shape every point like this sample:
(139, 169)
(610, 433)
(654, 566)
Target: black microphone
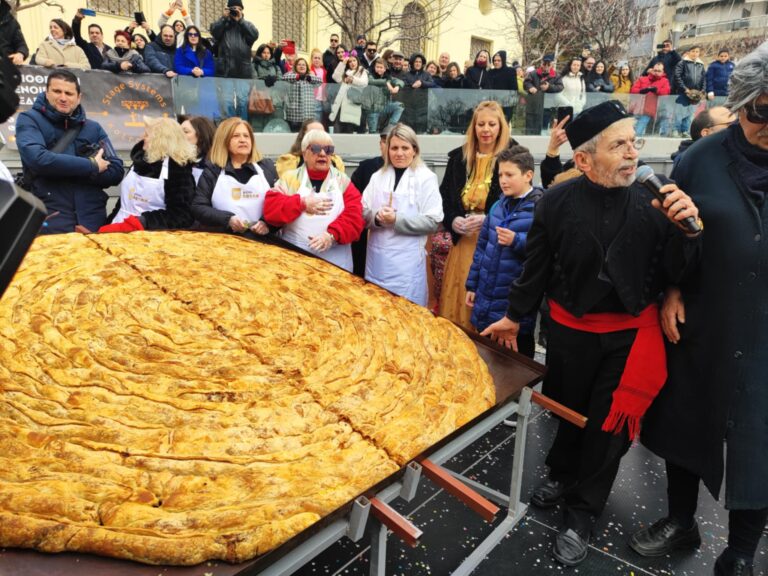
(647, 178)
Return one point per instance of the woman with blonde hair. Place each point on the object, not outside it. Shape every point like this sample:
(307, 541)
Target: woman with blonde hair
(469, 188)
(60, 49)
(401, 207)
(231, 190)
(155, 193)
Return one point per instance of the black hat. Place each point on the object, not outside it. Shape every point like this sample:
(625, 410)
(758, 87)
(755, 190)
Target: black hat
(548, 58)
(360, 37)
(594, 120)
(233, 3)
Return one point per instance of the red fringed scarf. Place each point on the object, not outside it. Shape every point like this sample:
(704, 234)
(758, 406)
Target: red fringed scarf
(646, 370)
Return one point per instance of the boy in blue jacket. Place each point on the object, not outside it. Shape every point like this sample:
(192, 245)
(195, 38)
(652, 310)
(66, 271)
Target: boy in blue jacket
(500, 251)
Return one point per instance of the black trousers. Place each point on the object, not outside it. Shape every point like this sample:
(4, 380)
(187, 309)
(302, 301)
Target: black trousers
(745, 527)
(583, 371)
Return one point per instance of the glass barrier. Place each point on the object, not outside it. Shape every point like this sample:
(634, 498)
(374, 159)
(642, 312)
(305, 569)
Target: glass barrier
(282, 106)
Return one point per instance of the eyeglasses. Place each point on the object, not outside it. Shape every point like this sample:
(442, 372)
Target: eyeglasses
(334, 40)
(193, 34)
(622, 146)
(371, 50)
(317, 148)
(757, 114)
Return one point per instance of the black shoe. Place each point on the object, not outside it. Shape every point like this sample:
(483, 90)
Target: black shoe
(549, 493)
(734, 567)
(664, 536)
(570, 548)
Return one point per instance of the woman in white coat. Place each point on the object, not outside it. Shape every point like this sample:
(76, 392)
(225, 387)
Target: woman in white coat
(402, 206)
(59, 49)
(347, 109)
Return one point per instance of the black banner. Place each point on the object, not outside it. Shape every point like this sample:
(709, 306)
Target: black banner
(116, 101)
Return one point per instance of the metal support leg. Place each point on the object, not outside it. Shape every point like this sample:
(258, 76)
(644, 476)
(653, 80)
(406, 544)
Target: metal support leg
(378, 534)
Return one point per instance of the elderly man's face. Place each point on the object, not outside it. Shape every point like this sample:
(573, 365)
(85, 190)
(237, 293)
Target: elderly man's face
(754, 122)
(317, 155)
(614, 162)
(444, 60)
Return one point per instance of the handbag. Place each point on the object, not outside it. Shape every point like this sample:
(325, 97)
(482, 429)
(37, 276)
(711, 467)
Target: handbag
(260, 102)
(355, 95)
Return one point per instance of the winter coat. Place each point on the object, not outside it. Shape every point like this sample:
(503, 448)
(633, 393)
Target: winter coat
(52, 54)
(94, 55)
(621, 85)
(689, 75)
(330, 61)
(574, 92)
(653, 87)
(598, 83)
(186, 59)
(504, 78)
(113, 60)
(535, 78)
(376, 94)
(212, 218)
(669, 60)
(267, 70)
(67, 182)
(11, 36)
(478, 77)
(458, 82)
(301, 96)
(716, 388)
(179, 188)
(234, 39)
(343, 108)
(159, 57)
(495, 267)
(454, 180)
(718, 75)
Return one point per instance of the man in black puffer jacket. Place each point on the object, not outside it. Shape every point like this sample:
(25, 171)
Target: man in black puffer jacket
(11, 38)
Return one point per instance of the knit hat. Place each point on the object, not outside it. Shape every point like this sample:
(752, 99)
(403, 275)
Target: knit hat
(594, 120)
(235, 4)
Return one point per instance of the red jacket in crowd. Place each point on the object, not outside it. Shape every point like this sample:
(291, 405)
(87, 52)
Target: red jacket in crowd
(651, 100)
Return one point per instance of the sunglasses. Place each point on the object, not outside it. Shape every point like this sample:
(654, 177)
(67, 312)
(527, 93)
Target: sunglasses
(317, 148)
(757, 114)
(371, 49)
(193, 34)
(334, 41)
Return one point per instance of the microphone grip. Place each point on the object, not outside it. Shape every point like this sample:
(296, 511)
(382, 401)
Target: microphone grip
(653, 184)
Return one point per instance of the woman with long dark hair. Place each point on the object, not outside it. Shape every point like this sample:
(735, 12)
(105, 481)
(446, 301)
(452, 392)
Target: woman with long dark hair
(193, 58)
(59, 49)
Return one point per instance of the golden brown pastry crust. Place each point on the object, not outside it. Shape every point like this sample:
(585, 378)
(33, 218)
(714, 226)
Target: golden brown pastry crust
(173, 398)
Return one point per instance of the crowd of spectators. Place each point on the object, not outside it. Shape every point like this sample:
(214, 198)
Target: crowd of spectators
(363, 89)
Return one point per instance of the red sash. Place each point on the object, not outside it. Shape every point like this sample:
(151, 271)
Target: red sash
(646, 370)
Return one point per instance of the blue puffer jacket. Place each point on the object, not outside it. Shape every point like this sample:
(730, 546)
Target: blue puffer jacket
(68, 183)
(494, 267)
(717, 77)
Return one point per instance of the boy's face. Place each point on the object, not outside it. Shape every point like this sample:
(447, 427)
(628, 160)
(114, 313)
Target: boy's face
(513, 182)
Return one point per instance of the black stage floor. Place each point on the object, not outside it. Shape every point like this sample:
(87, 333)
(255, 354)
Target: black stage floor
(451, 531)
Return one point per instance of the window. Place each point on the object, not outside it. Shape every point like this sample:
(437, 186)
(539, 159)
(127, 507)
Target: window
(477, 44)
(210, 11)
(116, 7)
(413, 29)
(289, 22)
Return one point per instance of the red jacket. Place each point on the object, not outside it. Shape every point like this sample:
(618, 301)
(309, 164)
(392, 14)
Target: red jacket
(647, 106)
(281, 209)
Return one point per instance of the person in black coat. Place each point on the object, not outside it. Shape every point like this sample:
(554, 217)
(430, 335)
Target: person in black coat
(478, 75)
(668, 57)
(540, 82)
(453, 76)
(716, 389)
(602, 253)
(161, 175)
(360, 178)
(95, 49)
(12, 41)
(502, 76)
(231, 190)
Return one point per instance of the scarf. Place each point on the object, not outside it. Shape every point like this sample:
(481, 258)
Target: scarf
(63, 41)
(751, 163)
(645, 371)
(120, 54)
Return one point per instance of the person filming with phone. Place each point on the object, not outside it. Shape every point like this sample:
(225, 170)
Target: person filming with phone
(67, 159)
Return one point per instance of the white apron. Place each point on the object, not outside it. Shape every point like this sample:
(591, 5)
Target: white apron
(395, 261)
(299, 231)
(246, 201)
(139, 194)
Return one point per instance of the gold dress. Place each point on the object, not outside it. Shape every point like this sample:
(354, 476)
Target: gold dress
(459, 261)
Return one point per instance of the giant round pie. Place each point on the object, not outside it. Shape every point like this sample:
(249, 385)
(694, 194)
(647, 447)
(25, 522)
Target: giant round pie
(173, 398)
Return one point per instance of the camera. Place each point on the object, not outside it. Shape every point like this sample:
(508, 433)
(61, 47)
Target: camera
(659, 46)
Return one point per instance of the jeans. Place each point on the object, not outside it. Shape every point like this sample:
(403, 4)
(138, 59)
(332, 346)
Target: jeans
(642, 124)
(392, 111)
(683, 117)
